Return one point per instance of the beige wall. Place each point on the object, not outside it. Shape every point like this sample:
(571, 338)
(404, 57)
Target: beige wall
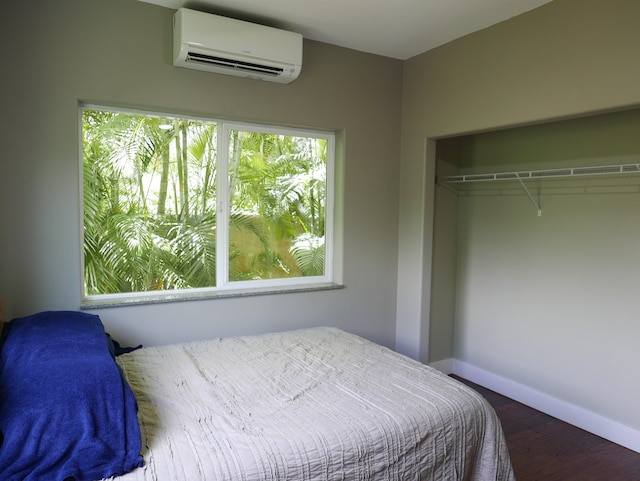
(559, 144)
(118, 52)
(564, 59)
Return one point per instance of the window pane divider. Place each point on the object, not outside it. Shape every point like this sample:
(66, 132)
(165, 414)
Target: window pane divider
(223, 207)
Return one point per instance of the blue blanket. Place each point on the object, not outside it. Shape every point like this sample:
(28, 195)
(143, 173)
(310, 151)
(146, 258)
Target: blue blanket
(66, 412)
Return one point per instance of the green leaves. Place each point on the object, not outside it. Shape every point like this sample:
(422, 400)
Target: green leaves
(150, 203)
(309, 251)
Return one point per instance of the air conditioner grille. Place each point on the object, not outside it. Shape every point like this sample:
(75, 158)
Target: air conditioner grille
(233, 64)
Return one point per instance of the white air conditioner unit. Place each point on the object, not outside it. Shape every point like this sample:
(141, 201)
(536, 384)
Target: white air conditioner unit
(218, 44)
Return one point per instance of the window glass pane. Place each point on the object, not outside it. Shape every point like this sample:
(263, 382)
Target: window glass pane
(157, 218)
(277, 191)
(149, 202)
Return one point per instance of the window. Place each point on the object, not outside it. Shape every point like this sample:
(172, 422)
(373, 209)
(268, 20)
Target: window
(176, 206)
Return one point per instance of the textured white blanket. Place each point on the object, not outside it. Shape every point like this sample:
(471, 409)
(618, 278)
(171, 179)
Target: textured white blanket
(316, 404)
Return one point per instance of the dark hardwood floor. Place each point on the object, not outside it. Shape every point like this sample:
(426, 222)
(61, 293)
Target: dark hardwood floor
(543, 448)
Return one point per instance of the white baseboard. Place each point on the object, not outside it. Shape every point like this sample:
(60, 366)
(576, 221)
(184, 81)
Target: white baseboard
(570, 413)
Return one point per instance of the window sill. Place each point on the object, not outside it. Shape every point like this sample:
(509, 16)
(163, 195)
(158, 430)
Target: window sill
(184, 296)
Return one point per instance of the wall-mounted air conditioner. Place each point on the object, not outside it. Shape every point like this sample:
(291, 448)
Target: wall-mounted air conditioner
(212, 43)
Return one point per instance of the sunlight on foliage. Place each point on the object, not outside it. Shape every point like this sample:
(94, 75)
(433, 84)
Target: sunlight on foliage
(150, 203)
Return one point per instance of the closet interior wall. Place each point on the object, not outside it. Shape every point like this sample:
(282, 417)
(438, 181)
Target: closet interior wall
(547, 293)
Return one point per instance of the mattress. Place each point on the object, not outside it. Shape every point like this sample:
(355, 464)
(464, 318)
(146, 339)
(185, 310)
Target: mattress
(313, 404)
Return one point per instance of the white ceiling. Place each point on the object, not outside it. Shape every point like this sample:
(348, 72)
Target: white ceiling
(392, 28)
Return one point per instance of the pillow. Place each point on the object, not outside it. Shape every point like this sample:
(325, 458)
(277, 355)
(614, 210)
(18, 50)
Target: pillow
(66, 411)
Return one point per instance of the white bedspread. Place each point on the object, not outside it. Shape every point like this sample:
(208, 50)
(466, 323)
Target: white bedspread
(316, 404)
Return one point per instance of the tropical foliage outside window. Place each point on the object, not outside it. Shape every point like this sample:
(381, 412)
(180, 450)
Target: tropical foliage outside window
(175, 203)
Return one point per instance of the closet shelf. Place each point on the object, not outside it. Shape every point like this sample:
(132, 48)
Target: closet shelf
(531, 181)
(574, 172)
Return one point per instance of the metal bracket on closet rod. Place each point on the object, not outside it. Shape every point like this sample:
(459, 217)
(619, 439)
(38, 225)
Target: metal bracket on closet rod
(529, 194)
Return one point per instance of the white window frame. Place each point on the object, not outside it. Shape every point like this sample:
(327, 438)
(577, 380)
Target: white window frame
(226, 288)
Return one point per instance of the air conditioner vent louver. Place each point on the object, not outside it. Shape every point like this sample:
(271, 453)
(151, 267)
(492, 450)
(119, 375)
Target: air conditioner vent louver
(233, 64)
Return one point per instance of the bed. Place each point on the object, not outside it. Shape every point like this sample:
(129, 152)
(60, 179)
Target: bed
(310, 404)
